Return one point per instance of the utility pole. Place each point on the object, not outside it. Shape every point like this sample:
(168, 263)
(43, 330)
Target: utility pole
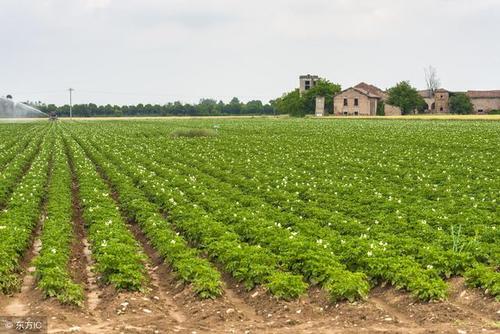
(71, 102)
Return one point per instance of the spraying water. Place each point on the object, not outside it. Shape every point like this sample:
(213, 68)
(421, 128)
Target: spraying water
(12, 109)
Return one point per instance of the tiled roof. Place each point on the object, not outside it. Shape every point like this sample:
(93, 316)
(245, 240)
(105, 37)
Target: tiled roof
(475, 94)
(370, 89)
(426, 93)
(361, 91)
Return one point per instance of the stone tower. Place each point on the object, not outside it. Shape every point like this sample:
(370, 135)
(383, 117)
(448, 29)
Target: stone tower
(307, 82)
(442, 99)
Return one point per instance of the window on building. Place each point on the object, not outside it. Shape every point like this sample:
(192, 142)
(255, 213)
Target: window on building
(345, 102)
(356, 102)
(480, 111)
(441, 109)
(356, 113)
(307, 84)
(345, 113)
(442, 96)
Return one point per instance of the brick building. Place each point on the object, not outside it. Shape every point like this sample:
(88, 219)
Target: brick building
(483, 101)
(362, 100)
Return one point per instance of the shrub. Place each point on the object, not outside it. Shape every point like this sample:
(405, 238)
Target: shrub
(461, 104)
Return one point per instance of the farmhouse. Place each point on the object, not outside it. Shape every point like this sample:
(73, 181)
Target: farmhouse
(356, 101)
(362, 100)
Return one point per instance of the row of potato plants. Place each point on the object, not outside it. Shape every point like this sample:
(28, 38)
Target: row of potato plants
(11, 146)
(15, 169)
(444, 261)
(185, 261)
(52, 264)
(251, 265)
(118, 257)
(225, 205)
(19, 218)
(295, 252)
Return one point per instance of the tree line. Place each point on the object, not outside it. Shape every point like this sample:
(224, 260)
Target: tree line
(206, 107)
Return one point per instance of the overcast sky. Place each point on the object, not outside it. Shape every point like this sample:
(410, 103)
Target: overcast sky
(155, 51)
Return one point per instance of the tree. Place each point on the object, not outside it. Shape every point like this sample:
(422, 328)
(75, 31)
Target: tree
(461, 104)
(253, 107)
(324, 88)
(206, 107)
(233, 107)
(431, 79)
(406, 97)
(290, 103)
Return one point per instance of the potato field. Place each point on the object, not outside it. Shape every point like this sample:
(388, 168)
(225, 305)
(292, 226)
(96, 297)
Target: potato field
(252, 225)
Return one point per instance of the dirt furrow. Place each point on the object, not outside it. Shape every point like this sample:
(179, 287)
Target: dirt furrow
(91, 283)
(241, 305)
(20, 303)
(159, 274)
(81, 255)
(412, 313)
(474, 302)
(392, 313)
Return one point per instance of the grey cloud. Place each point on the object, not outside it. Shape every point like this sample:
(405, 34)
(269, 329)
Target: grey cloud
(188, 49)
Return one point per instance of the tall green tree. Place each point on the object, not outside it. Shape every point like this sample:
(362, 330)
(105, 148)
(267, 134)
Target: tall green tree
(234, 107)
(290, 103)
(406, 97)
(461, 104)
(253, 107)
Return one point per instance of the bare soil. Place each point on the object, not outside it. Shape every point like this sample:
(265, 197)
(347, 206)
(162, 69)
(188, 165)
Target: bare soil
(169, 306)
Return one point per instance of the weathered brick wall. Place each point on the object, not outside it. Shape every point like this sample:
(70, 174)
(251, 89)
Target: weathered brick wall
(485, 104)
(363, 107)
(391, 110)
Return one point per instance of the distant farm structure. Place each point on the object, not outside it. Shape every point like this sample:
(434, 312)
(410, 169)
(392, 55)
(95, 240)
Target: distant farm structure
(365, 99)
